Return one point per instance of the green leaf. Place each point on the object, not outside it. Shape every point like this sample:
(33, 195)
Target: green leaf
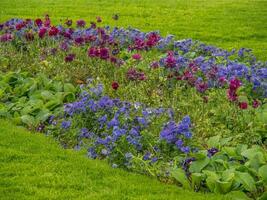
(180, 176)
(250, 153)
(47, 95)
(28, 120)
(214, 141)
(196, 179)
(263, 196)
(198, 165)
(223, 187)
(263, 173)
(69, 88)
(237, 195)
(246, 180)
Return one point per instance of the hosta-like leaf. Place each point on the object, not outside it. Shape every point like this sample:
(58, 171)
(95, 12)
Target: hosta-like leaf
(263, 173)
(246, 180)
(180, 176)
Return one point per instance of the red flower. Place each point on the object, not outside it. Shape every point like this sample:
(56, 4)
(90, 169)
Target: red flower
(234, 84)
(81, 23)
(255, 103)
(38, 22)
(42, 32)
(20, 26)
(69, 57)
(53, 31)
(93, 52)
(243, 105)
(115, 85)
(136, 56)
(104, 54)
(68, 22)
(232, 96)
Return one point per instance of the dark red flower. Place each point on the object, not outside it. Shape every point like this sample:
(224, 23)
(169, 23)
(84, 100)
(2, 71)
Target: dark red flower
(69, 57)
(243, 105)
(79, 40)
(115, 85)
(93, 25)
(255, 103)
(154, 64)
(38, 22)
(68, 22)
(53, 31)
(201, 87)
(231, 94)
(42, 32)
(81, 23)
(234, 84)
(19, 26)
(104, 53)
(93, 52)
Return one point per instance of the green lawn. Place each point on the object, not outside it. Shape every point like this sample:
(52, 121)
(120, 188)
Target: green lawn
(225, 23)
(33, 166)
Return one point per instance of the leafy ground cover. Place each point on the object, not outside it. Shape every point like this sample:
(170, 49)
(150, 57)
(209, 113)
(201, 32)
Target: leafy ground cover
(34, 167)
(179, 110)
(226, 23)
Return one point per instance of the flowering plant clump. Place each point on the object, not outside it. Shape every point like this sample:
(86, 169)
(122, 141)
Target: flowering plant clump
(124, 133)
(223, 92)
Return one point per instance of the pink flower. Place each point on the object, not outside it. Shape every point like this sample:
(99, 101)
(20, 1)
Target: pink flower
(136, 56)
(234, 84)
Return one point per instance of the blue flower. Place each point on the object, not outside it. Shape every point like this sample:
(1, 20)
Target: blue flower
(179, 143)
(65, 124)
(147, 156)
(92, 153)
(185, 149)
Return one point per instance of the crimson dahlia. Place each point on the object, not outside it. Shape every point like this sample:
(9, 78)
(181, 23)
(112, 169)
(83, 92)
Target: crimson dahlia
(115, 85)
(243, 105)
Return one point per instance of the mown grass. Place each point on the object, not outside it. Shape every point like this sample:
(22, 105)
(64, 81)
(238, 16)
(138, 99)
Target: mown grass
(33, 166)
(225, 23)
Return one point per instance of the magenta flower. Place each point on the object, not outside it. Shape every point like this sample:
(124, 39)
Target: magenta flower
(136, 56)
(104, 53)
(38, 22)
(42, 32)
(81, 23)
(69, 57)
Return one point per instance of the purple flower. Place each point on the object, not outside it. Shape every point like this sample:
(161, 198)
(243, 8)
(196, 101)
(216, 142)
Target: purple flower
(65, 124)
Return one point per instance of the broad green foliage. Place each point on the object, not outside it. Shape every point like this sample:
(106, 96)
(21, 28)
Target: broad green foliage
(32, 101)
